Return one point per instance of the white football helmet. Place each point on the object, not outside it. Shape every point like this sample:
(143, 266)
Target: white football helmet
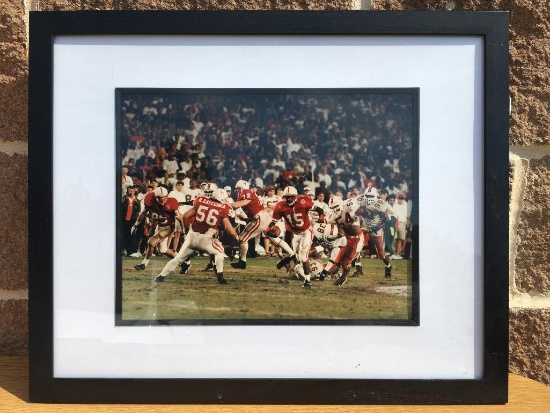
(161, 194)
(219, 195)
(335, 203)
(240, 185)
(289, 194)
(371, 195)
(228, 190)
(209, 189)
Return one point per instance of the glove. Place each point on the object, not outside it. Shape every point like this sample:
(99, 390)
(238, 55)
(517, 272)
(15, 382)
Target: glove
(134, 228)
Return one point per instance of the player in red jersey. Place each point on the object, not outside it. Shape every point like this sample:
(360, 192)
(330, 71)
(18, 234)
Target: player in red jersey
(259, 221)
(294, 210)
(209, 214)
(163, 212)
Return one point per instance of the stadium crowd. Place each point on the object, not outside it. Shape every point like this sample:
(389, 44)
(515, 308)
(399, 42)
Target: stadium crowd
(321, 145)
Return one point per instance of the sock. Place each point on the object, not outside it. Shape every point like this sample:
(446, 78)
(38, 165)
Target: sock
(243, 249)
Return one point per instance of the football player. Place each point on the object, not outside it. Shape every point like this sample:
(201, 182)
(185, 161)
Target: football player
(315, 268)
(209, 213)
(294, 210)
(344, 214)
(259, 221)
(333, 239)
(163, 212)
(376, 214)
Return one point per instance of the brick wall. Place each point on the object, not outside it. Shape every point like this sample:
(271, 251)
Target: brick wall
(529, 156)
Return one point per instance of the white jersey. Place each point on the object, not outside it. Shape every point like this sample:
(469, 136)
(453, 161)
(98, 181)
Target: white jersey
(315, 268)
(325, 233)
(348, 216)
(376, 216)
(314, 215)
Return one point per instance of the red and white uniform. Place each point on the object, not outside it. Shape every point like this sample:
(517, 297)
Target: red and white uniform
(254, 207)
(350, 222)
(209, 214)
(164, 215)
(254, 210)
(297, 220)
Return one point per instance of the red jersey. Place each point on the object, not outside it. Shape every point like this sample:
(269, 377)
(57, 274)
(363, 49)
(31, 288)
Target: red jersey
(164, 215)
(208, 214)
(296, 217)
(254, 206)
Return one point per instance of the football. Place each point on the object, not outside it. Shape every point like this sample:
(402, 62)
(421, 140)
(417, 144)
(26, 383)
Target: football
(274, 232)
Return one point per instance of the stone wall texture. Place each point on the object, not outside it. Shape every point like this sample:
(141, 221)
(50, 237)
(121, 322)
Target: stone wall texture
(529, 148)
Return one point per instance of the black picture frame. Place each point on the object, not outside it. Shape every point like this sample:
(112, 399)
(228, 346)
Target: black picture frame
(492, 27)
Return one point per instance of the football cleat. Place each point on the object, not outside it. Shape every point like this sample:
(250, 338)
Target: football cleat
(387, 273)
(185, 267)
(358, 271)
(240, 265)
(159, 279)
(323, 275)
(285, 261)
(139, 267)
(340, 281)
(306, 284)
(209, 267)
(221, 280)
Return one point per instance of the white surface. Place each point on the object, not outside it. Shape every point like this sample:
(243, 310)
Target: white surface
(448, 71)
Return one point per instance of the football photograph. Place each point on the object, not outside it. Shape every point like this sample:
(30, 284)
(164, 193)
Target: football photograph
(267, 206)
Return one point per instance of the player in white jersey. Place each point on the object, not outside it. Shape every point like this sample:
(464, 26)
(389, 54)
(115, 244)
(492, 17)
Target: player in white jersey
(315, 266)
(345, 216)
(331, 239)
(376, 213)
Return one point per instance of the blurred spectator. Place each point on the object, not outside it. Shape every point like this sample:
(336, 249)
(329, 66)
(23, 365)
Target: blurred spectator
(329, 143)
(401, 211)
(130, 211)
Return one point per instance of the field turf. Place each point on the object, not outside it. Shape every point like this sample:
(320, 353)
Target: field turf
(262, 293)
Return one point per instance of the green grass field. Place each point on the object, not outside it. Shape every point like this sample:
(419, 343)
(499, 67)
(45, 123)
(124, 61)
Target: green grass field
(261, 292)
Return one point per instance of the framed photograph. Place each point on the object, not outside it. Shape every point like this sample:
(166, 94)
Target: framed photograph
(259, 146)
(268, 207)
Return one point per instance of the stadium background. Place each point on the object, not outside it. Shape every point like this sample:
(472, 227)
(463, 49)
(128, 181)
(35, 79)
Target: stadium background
(328, 142)
(529, 145)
